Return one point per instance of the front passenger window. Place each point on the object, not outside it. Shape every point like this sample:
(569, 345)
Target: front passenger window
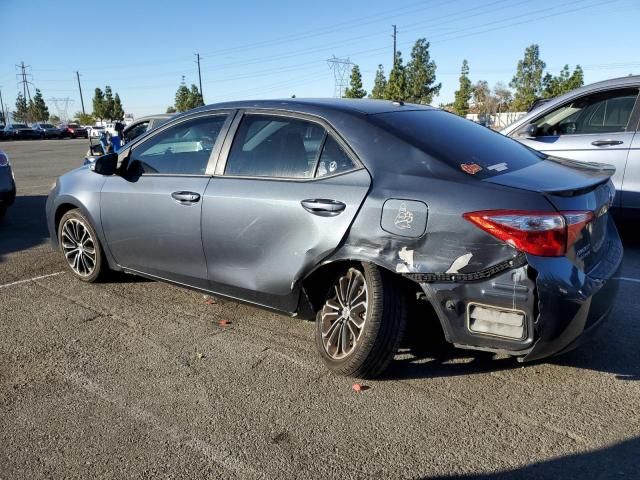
(182, 149)
(604, 112)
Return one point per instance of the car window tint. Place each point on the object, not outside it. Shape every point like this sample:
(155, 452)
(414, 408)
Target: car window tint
(605, 112)
(333, 159)
(270, 146)
(182, 149)
(458, 142)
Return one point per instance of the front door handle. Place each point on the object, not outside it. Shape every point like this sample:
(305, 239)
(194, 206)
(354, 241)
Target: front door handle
(185, 198)
(604, 143)
(323, 207)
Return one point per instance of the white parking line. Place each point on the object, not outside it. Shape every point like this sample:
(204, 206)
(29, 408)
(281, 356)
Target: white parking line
(29, 280)
(627, 279)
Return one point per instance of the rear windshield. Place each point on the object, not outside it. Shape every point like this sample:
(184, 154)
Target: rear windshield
(458, 142)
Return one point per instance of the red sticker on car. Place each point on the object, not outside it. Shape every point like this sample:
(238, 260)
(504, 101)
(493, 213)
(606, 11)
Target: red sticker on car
(470, 168)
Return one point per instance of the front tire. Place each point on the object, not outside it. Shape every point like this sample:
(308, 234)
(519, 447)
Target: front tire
(81, 247)
(361, 324)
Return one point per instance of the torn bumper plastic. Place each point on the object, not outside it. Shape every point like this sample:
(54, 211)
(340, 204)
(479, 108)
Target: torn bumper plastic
(561, 303)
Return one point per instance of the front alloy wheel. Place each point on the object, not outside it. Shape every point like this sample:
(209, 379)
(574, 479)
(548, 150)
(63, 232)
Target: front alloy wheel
(80, 246)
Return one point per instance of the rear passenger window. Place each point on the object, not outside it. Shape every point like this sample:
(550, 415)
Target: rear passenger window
(182, 149)
(273, 146)
(333, 159)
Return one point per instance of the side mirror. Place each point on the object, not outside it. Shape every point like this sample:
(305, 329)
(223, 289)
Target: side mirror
(530, 131)
(106, 164)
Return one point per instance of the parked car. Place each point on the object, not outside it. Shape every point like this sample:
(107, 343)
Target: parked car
(595, 123)
(131, 132)
(7, 184)
(143, 125)
(20, 131)
(350, 211)
(2, 133)
(73, 130)
(95, 131)
(47, 130)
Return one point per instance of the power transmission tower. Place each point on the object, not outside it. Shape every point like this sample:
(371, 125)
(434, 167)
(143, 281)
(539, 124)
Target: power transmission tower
(341, 68)
(395, 34)
(22, 80)
(199, 76)
(62, 106)
(80, 88)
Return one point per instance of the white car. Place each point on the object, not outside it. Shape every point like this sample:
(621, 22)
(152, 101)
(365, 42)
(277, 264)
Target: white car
(96, 131)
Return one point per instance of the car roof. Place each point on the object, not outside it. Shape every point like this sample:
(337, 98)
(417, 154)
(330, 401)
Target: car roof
(360, 106)
(159, 116)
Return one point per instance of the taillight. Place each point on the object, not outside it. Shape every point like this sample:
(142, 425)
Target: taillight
(546, 234)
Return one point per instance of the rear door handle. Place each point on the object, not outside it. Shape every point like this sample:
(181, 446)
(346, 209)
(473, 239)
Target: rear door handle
(323, 207)
(604, 143)
(185, 198)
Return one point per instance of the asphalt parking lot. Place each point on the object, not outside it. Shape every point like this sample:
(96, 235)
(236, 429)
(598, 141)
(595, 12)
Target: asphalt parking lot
(133, 378)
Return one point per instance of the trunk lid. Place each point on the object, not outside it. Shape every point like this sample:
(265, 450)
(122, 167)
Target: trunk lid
(572, 186)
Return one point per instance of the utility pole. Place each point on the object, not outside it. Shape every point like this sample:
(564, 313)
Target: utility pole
(4, 115)
(199, 76)
(395, 34)
(80, 88)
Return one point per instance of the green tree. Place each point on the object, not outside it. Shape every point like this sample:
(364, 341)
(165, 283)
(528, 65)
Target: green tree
(182, 98)
(118, 110)
(38, 110)
(527, 81)
(421, 75)
(54, 119)
(396, 88)
(99, 110)
(379, 84)
(554, 86)
(109, 103)
(171, 109)
(355, 90)
(464, 92)
(84, 118)
(21, 113)
(195, 97)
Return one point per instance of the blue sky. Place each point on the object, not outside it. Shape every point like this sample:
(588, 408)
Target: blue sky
(275, 49)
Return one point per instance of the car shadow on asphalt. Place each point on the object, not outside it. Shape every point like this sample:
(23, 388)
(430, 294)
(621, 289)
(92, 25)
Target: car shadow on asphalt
(24, 225)
(620, 460)
(424, 353)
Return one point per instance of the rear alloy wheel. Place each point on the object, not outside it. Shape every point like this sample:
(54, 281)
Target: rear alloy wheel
(362, 321)
(80, 246)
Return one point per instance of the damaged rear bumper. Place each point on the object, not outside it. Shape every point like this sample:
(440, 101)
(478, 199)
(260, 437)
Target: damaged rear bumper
(561, 304)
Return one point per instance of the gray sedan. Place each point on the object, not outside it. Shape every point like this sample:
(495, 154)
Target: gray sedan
(595, 123)
(354, 213)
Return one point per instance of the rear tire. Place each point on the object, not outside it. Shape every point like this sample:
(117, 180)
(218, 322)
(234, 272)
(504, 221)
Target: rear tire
(355, 341)
(80, 246)
(3, 211)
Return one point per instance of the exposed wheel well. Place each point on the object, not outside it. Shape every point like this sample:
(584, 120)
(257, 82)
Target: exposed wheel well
(317, 284)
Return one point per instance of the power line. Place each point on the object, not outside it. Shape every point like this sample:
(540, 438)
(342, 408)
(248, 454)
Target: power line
(62, 106)
(24, 82)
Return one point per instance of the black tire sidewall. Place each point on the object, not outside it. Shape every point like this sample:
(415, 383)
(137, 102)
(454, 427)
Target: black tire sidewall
(99, 266)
